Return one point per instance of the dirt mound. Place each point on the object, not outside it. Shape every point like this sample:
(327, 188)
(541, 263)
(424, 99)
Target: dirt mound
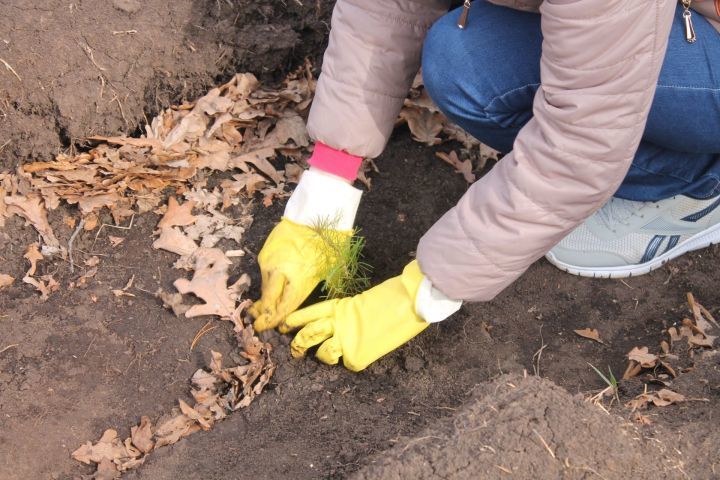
(102, 67)
(528, 428)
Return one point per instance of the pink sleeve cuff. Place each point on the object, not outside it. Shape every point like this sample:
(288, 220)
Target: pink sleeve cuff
(335, 162)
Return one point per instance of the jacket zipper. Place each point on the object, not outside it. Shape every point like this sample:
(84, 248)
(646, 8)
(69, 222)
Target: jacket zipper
(687, 18)
(464, 15)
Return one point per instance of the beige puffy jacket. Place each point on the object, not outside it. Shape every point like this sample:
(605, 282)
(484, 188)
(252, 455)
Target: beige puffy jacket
(600, 64)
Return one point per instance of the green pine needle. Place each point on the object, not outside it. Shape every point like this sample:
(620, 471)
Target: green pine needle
(341, 266)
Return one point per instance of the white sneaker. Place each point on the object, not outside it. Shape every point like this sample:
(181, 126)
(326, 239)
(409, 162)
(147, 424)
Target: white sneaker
(626, 238)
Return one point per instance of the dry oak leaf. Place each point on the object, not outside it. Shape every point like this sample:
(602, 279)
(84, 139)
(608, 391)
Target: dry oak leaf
(193, 414)
(109, 446)
(259, 158)
(173, 240)
(661, 398)
(172, 430)
(91, 222)
(590, 333)
(464, 167)
(424, 125)
(288, 128)
(106, 470)
(177, 215)
(702, 340)
(5, 280)
(701, 314)
(293, 172)
(142, 434)
(33, 255)
(209, 283)
(641, 356)
(32, 209)
(45, 285)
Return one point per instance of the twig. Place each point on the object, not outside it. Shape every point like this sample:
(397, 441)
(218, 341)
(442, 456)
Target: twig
(9, 347)
(112, 226)
(79, 227)
(102, 87)
(90, 345)
(125, 32)
(5, 145)
(552, 454)
(7, 65)
(89, 52)
(122, 112)
(538, 354)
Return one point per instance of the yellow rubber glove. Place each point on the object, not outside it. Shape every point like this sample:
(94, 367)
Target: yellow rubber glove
(291, 264)
(362, 328)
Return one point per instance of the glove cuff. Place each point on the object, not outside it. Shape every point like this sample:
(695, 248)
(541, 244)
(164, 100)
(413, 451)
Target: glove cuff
(320, 196)
(335, 161)
(432, 305)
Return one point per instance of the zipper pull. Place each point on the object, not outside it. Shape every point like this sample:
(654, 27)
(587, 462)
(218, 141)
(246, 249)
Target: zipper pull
(464, 15)
(687, 18)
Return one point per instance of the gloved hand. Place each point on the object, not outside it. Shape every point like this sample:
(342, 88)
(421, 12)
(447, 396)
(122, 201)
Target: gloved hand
(290, 265)
(291, 260)
(365, 327)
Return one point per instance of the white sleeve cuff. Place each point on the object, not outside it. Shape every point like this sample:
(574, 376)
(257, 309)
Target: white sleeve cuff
(320, 196)
(432, 305)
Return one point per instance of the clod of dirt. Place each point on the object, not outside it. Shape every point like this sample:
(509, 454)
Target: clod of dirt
(527, 428)
(127, 6)
(413, 363)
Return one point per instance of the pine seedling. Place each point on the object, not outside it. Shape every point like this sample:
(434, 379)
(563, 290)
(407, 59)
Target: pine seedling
(341, 267)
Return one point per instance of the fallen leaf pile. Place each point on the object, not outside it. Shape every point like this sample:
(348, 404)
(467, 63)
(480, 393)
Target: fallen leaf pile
(428, 125)
(192, 229)
(690, 338)
(216, 391)
(238, 126)
(687, 339)
(193, 235)
(660, 398)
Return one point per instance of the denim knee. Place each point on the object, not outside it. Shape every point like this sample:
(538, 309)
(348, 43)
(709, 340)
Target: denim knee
(484, 77)
(444, 69)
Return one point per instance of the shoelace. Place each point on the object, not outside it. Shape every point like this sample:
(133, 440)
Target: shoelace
(619, 212)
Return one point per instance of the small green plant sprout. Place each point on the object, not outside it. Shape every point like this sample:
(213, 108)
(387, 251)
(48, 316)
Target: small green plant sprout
(341, 267)
(612, 386)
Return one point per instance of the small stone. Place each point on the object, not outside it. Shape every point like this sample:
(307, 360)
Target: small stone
(316, 387)
(128, 6)
(413, 363)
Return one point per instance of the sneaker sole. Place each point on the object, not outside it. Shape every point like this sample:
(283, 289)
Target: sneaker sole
(698, 241)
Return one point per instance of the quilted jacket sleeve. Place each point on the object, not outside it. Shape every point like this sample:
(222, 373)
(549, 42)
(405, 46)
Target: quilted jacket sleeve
(368, 67)
(600, 64)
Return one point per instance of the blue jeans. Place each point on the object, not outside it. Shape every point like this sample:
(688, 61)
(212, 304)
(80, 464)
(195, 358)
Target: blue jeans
(484, 78)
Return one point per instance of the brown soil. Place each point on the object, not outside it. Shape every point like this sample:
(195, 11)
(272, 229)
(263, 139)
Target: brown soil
(86, 360)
